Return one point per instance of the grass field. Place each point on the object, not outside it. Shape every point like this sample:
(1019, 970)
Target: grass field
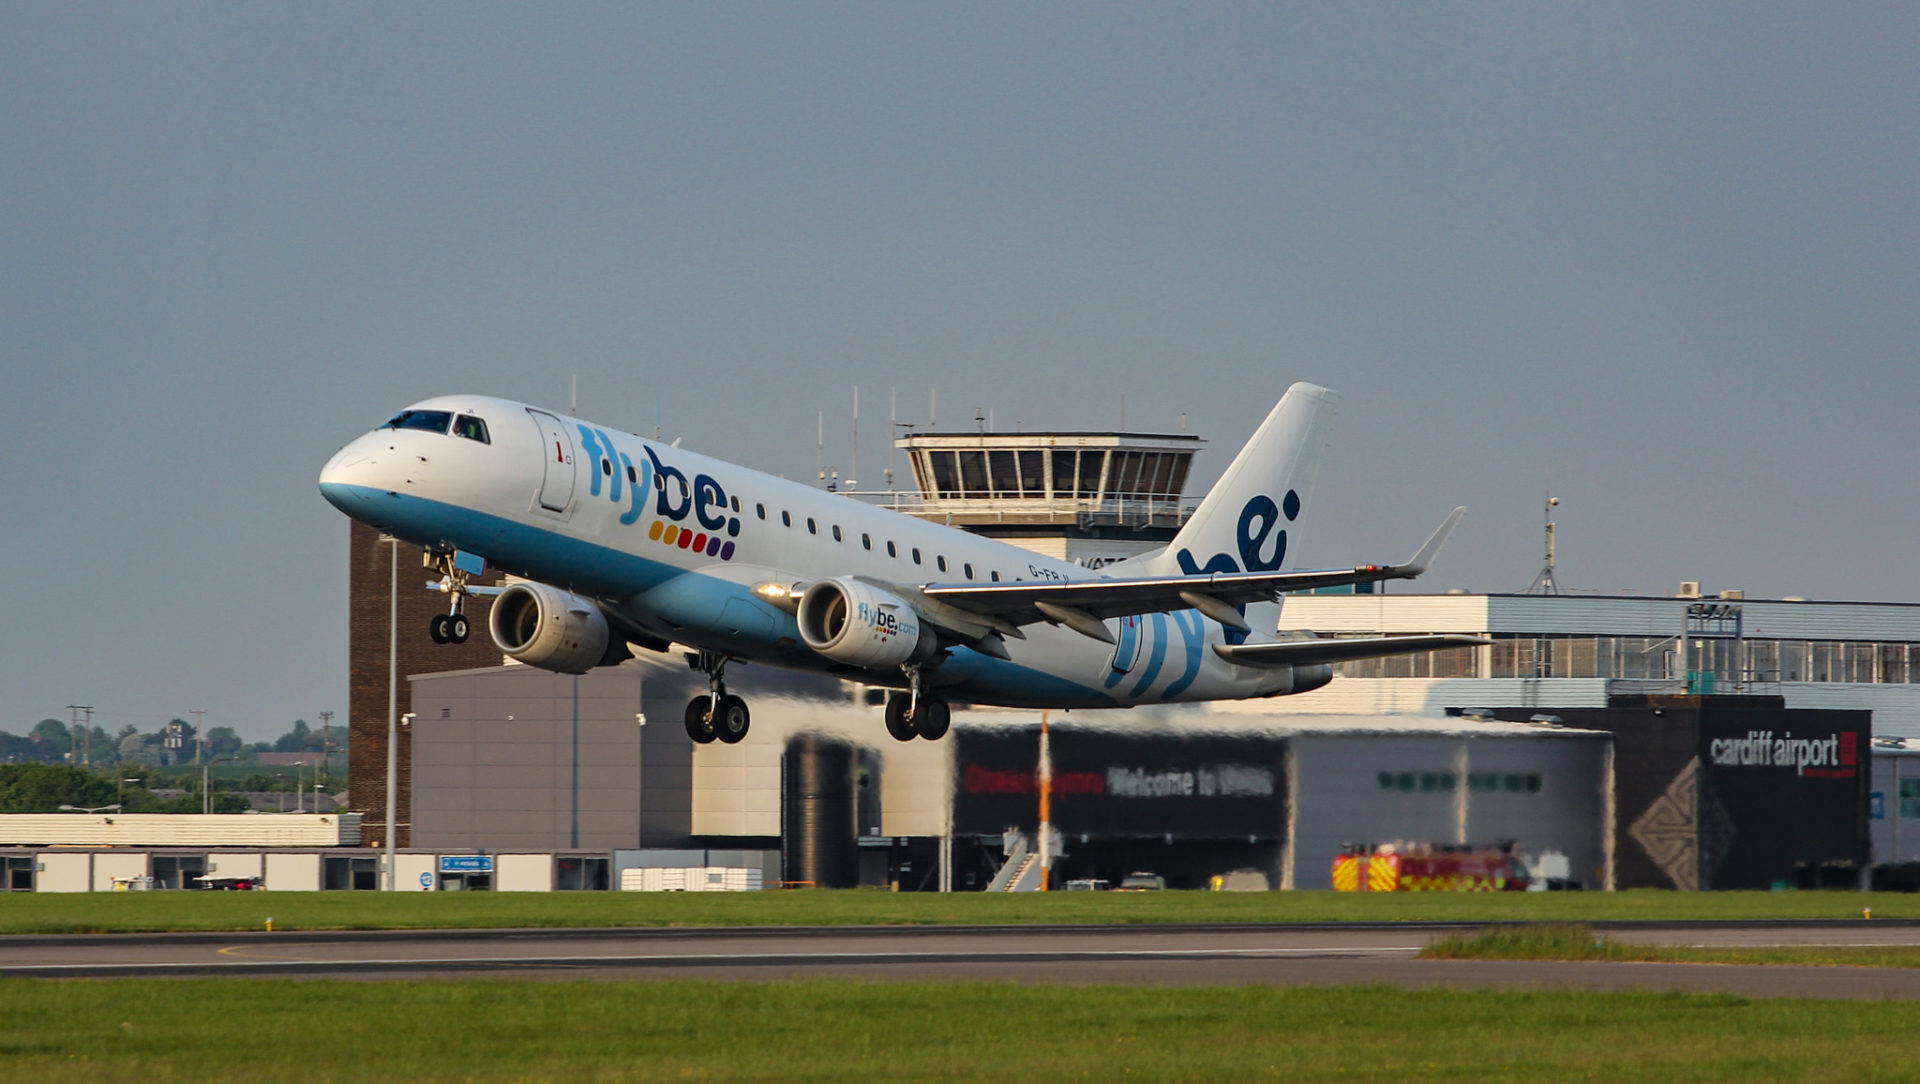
(1575, 942)
(504, 1030)
(26, 912)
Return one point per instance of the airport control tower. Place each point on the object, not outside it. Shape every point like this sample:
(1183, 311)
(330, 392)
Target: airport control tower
(1090, 498)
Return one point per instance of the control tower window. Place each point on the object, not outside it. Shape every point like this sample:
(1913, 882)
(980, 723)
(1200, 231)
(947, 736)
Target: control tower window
(1091, 464)
(1162, 476)
(1177, 483)
(433, 421)
(945, 481)
(471, 428)
(973, 474)
(1006, 480)
(1062, 474)
(1032, 479)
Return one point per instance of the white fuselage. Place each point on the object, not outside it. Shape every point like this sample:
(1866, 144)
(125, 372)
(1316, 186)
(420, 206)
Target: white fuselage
(671, 542)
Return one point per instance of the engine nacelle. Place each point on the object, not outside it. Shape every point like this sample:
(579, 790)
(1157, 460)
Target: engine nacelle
(862, 625)
(546, 627)
(1310, 677)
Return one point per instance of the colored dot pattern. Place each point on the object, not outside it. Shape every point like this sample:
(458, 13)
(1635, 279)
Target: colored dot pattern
(691, 540)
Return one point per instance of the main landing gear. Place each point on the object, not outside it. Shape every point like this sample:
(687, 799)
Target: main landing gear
(719, 714)
(449, 628)
(911, 715)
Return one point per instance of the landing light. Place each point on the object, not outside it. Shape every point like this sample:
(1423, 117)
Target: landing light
(784, 595)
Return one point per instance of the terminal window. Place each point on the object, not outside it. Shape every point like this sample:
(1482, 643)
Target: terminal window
(1910, 799)
(347, 873)
(580, 874)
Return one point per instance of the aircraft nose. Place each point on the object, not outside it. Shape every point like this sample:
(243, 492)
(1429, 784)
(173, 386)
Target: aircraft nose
(346, 476)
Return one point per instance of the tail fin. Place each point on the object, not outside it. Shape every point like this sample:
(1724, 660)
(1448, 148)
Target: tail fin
(1253, 514)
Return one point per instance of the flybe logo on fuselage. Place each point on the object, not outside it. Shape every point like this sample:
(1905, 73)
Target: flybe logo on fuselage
(674, 497)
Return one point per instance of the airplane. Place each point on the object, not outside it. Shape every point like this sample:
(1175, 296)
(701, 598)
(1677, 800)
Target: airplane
(613, 541)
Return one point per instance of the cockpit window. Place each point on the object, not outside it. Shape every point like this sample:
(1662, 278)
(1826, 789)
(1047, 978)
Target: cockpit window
(472, 428)
(434, 421)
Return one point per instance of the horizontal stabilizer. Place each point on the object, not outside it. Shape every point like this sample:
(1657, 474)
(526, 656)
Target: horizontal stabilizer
(1310, 652)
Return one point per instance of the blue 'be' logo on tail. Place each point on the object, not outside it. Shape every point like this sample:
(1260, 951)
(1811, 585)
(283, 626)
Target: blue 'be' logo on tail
(1258, 521)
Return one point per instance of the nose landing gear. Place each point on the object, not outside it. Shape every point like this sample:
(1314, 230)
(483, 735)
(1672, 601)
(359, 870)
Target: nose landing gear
(452, 627)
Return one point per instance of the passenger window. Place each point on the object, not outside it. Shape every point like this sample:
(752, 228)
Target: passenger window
(996, 575)
(916, 555)
(734, 503)
(606, 467)
(968, 568)
(836, 532)
(941, 561)
(760, 510)
(891, 552)
(786, 519)
(660, 482)
(812, 527)
(631, 476)
(471, 428)
(866, 541)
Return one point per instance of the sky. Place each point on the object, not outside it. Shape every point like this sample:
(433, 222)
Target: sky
(1660, 260)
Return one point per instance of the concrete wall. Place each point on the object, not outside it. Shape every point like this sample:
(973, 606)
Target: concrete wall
(108, 866)
(293, 872)
(235, 863)
(407, 871)
(1895, 838)
(1338, 797)
(64, 873)
(523, 873)
(517, 757)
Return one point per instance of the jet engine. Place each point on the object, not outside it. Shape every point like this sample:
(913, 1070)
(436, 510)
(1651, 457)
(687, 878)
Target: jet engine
(856, 623)
(546, 627)
(1310, 677)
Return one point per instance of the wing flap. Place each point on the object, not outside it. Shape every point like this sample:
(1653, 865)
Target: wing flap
(1018, 603)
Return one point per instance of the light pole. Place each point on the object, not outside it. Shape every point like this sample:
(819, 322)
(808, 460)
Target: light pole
(393, 695)
(206, 789)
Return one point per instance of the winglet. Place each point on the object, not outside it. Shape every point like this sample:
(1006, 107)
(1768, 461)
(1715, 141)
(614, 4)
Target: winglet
(1428, 552)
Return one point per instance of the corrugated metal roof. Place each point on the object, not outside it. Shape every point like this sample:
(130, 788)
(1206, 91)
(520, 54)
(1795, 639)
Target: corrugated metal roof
(182, 829)
(1590, 615)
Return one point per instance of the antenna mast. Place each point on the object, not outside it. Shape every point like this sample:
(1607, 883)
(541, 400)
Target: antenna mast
(1544, 584)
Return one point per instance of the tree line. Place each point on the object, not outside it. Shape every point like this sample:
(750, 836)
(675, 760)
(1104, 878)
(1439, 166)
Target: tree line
(173, 743)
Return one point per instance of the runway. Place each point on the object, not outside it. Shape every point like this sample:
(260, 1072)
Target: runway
(1288, 955)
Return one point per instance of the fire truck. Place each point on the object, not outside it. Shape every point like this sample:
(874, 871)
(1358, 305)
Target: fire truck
(1427, 867)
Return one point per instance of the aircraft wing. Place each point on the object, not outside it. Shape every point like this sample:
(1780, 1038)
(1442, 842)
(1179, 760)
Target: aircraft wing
(1084, 604)
(1306, 652)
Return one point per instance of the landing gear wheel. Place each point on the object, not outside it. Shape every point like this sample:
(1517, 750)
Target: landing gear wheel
(437, 628)
(730, 719)
(456, 628)
(933, 718)
(700, 719)
(898, 724)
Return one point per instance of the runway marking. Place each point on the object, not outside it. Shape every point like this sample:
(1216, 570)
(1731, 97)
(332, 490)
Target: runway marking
(239, 951)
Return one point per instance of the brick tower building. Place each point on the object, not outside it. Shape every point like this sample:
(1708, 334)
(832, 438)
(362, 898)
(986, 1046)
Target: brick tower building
(371, 593)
